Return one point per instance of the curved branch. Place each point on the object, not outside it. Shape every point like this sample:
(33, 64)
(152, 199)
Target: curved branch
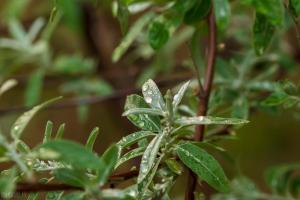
(204, 96)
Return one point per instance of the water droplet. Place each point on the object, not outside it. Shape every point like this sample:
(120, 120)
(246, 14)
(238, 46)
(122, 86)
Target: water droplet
(148, 99)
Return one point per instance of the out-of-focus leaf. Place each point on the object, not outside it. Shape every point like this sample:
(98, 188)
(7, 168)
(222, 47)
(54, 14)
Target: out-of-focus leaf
(188, 121)
(263, 32)
(278, 177)
(204, 165)
(240, 108)
(109, 160)
(73, 65)
(48, 131)
(222, 13)
(71, 177)
(60, 131)
(135, 30)
(123, 15)
(70, 152)
(21, 123)
(92, 138)
(14, 9)
(174, 166)
(152, 95)
(133, 138)
(72, 13)
(7, 85)
(143, 121)
(158, 34)
(7, 182)
(294, 6)
(197, 12)
(74, 196)
(295, 187)
(276, 16)
(34, 88)
(54, 195)
(276, 98)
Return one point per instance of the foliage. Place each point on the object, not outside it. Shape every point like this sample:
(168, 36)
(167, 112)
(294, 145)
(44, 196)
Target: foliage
(167, 125)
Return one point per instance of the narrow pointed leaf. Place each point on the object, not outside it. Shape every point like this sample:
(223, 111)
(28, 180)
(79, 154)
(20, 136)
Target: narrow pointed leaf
(149, 157)
(152, 95)
(133, 138)
(71, 177)
(48, 131)
(178, 97)
(204, 165)
(129, 155)
(207, 120)
(21, 123)
(92, 138)
(60, 131)
(109, 160)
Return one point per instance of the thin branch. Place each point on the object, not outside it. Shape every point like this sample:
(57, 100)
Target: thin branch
(204, 97)
(73, 102)
(40, 187)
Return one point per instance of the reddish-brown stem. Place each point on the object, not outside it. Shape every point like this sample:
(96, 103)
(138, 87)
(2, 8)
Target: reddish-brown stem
(204, 96)
(40, 187)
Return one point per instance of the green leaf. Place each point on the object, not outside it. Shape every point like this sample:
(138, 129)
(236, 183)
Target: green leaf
(54, 195)
(294, 6)
(158, 34)
(278, 177)
(74, 196)
(21, 123)
(129, 155)
(174, 166)
(133, 138)
(72, 13)
(70, 152)
(60, 131)
(23, 147)
(204, 165)
(132, 34)
(263, 32)
(109, 158)
(276, 98)
(71, 177)
(123, 15)
(198, 12)
(7, 182)
(149, 157)
(206, 120)
(222, 13)
(276, 16)
(144, 121)
(34, 88)
(178, 97)
(48, 131)
(152, 95)
(92, 138)
(240, 108)
(150, 111)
